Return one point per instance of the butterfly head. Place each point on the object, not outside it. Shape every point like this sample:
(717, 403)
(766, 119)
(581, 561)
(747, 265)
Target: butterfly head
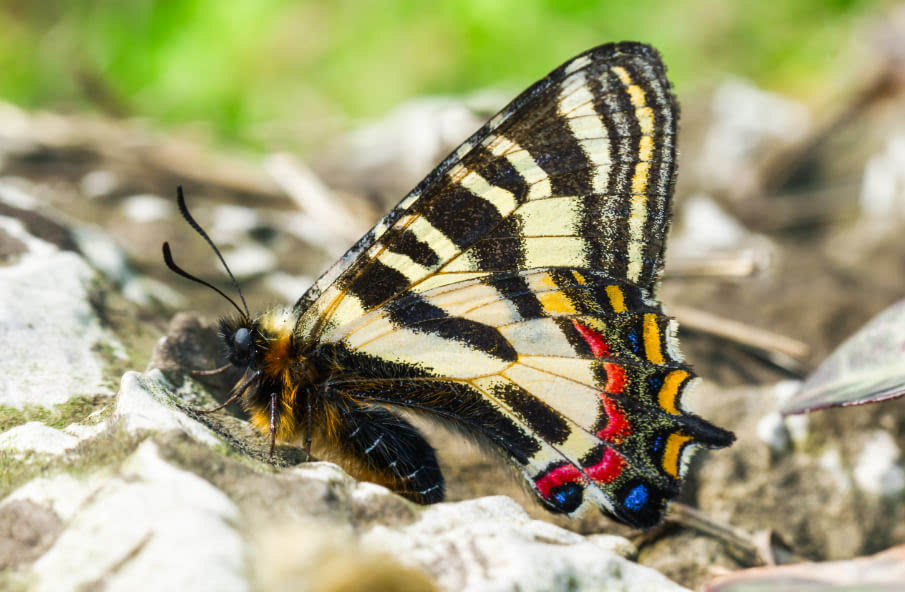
(264, 343)
(243, 342)
(243, 334)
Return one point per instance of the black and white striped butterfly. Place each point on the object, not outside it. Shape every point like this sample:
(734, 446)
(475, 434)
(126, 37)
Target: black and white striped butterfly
(511, 294)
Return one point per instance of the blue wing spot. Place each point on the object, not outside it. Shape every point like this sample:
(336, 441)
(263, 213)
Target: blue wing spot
(567, 497)
(655, 383)
(657, 446)
(636, 498)
(635, 341)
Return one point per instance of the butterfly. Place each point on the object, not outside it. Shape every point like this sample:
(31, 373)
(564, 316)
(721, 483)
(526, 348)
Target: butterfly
(511, 296)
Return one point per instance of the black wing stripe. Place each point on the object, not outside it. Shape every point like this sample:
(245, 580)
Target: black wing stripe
(415, 313)
(516, 288)
(376, 283)
(461, 215)
(545, 421)
(405, 242)
(499, 172)
(567, 165)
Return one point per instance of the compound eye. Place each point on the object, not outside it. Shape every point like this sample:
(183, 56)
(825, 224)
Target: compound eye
(242, 340)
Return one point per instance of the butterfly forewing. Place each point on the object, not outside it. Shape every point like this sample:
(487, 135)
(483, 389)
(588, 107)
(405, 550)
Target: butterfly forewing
(595, 140)
(511, 293)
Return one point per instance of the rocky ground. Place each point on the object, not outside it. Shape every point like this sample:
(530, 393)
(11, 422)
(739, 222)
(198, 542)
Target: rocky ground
(109, 479)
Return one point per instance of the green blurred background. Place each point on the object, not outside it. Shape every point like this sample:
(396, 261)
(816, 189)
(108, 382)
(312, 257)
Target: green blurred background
(243, 69)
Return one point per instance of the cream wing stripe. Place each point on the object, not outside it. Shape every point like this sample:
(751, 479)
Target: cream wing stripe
(425, 232)
(537, 179)
(577, 106)
(504, 201)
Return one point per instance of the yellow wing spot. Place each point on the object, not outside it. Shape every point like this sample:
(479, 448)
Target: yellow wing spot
(556, 303)
(673, 451)
(652, 339)
(636, 94)
(579, 278)
(670, 390)
(645, 148)
(639, 180)
(623, 75)
(546, 281)
(645, 119)
(617, 299)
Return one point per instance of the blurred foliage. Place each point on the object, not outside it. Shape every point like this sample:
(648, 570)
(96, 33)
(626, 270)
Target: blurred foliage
(247, 67)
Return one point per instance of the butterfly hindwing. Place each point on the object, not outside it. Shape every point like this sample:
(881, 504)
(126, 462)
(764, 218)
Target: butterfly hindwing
(571, 373)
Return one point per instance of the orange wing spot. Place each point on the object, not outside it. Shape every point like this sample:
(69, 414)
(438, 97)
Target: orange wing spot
(556, 303)
(615, 378)
(617, 426)
(670, 390)
(617, 300)
(673, 452)
(652, 339)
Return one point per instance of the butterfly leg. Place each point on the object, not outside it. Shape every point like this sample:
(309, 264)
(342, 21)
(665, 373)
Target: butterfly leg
(308, 429)
(273, 422)
(390, 451)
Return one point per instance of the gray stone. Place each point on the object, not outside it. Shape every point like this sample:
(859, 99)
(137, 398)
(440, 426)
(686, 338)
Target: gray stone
(34, 436)
(49, 332)
(151, 527)
(146, 403)
(491, 544)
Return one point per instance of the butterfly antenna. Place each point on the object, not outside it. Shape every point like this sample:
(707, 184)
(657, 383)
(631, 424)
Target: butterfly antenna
(168, 259)
(183, 209)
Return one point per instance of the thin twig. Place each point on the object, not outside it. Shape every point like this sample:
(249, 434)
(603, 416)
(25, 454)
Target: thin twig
(783, 351)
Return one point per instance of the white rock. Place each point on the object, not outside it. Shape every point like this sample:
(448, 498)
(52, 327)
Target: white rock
(99, 183)
(746, 119)
(831, 462)
(410, 140)
(878, 469)
(772, 430)
(249, 259)
(143, 403)
(15, 196)
(85, 431)
(153, 527)
(147, 208)
(709, 227)
(290, 287)
(48, 329)
(34, 436)
(103, 252)
(231, 224)
(63, 494)
(490, 544)
(883, 184)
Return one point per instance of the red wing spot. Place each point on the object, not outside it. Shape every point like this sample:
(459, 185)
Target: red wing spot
(555, 478)
(617, 426)
(599, 347)
(615, 375)
(609, 467)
